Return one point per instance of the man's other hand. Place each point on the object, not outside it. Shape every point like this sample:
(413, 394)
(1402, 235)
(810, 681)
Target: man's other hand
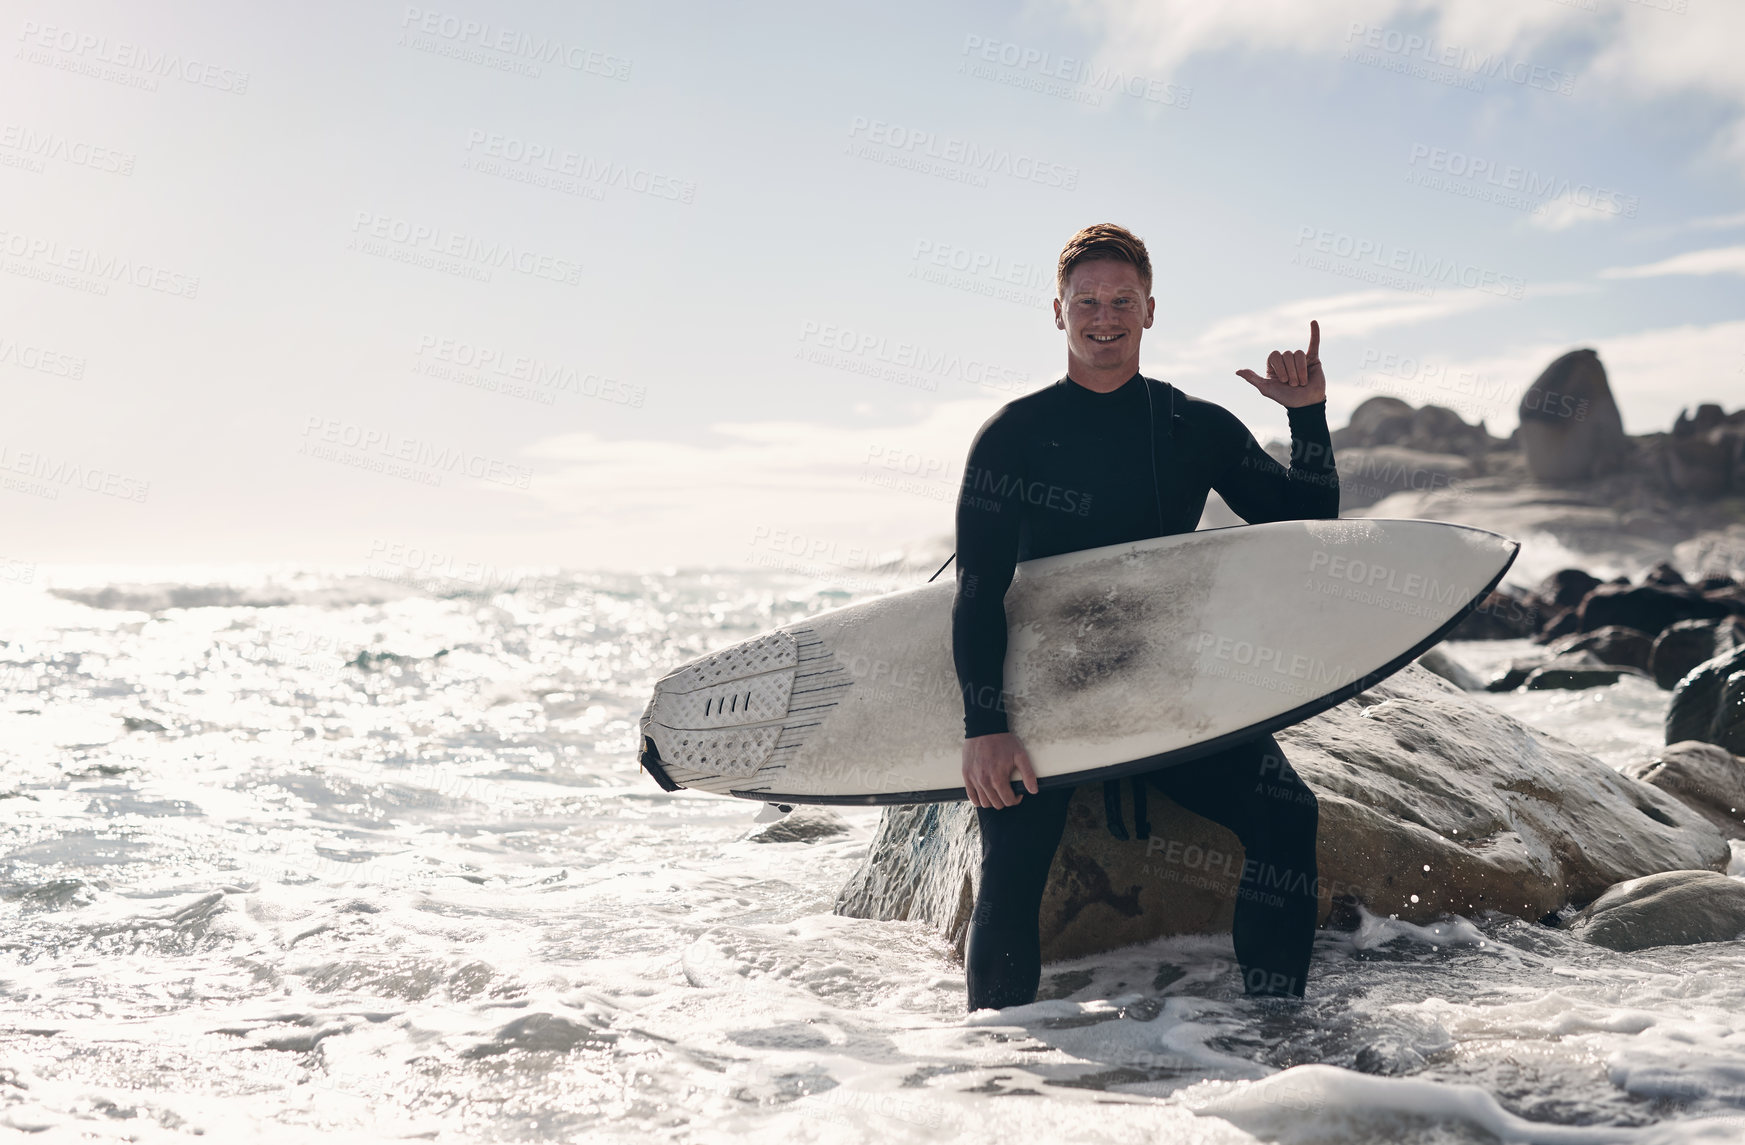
(1293, 377)
(988, 765)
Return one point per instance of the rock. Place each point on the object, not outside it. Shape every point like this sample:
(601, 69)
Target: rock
(1367, 474)
(1380, 420)
(1704, 777)
(1388, 421)
(1646, 608)
(1570, 426)
(1663, 573)
(1695, 710)
(1565, 622)
(1440, 662)
(1687, 643)
(1516, 674)
(1729, 729)
(1730, 597)
(1503, 615)
(1565, 588)
(1571, 674)
(1706, 453)
(1412, 773)
(805, 824)
(1672, 908)
(1613, 644)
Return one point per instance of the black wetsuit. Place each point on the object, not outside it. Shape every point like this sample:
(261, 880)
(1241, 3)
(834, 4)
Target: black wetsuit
(1067, 468)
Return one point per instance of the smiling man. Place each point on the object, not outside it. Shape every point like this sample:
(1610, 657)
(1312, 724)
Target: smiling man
(1105, 456)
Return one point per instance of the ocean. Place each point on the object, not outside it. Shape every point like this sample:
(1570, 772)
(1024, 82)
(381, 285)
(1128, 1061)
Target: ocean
(292, 854)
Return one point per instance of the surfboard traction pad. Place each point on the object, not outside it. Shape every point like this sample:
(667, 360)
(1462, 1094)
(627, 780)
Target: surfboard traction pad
(787, 653)
(693, 727)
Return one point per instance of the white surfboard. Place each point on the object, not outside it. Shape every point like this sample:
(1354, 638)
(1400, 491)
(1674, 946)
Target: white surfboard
(1119, 660)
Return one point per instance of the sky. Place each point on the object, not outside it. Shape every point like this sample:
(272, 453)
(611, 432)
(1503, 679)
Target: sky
(692, 284)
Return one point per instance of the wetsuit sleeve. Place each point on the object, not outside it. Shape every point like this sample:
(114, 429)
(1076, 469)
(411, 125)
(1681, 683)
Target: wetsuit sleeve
(1258, 489)
(988, 506)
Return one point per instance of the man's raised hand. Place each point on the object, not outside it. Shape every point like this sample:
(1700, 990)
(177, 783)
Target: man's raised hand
(1293, 377)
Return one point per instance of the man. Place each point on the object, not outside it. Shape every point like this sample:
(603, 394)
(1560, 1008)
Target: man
(1093, 433)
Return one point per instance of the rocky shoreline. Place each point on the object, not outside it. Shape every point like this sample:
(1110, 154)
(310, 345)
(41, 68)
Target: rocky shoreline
(1432, 801)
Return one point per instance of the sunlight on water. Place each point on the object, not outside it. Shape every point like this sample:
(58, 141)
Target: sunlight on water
(340, 856)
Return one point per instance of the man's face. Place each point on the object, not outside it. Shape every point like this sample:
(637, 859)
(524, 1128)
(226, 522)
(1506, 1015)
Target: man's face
(1104, 312)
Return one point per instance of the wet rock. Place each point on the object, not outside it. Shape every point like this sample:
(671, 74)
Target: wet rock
(1613, 644)
(1574, 671)
(1565, 588)
(1516, 674)
(805, 824)
(1729, 729)
(1672, 908)
(1409, 775)
(1644, 607)
(1565, 622)
(1683, 646)
(1696, 710)
(1570, 426)
(1705, 777)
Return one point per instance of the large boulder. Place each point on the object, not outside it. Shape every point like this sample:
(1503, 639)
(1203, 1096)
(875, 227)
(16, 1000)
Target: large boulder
(1672, 908)
(1705, 777)
(1570, 426)
(1432, 801)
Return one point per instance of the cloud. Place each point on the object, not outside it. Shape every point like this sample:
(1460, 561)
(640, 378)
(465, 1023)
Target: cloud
(1638, 50)
(1716, 260)
(824, 500)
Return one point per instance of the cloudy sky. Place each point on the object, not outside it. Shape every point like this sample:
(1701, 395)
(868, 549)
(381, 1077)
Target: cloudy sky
(634, 286)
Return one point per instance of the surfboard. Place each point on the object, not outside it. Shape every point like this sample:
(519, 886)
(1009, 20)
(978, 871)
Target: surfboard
(1119, 660)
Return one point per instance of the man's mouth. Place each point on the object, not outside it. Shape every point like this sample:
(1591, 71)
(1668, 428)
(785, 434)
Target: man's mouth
(1105, 338)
